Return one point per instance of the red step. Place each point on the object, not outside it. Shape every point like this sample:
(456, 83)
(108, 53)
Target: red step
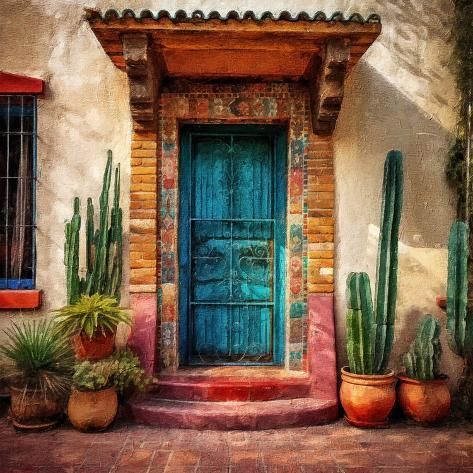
(211, 388)
(254, 415)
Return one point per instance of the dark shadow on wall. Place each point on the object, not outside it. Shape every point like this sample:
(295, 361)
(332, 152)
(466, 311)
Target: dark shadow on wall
(417, 27)
(377, 117)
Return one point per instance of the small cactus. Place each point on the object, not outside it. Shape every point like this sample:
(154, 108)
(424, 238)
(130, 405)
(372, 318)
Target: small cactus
(422, 361)
(370, 354)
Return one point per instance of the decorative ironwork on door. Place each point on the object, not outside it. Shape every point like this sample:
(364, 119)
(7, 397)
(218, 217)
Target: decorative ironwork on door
(229, 210)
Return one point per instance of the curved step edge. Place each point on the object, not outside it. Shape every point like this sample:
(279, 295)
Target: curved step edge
(233, 415)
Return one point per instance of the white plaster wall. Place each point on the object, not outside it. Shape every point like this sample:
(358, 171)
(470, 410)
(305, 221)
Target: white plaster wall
(83, 112)
(401, 95)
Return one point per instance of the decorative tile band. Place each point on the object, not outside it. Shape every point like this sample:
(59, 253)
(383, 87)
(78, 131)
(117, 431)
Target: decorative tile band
(310, 197)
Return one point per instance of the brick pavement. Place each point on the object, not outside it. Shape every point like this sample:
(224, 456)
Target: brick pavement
(334, 448)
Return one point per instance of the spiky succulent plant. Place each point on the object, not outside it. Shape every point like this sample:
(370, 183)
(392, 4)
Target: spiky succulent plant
(39, 358)
(91, 315)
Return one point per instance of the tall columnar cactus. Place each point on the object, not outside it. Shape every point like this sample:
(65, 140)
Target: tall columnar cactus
(459, 321)
(360, 320)
(422, 361)
(115, 244)
(379, 323)
(71, 254)
(386, 271)
(97, 280)
(104, 247)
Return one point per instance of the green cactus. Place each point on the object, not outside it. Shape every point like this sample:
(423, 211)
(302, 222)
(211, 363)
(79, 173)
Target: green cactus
(422, 361)
(378, 323)
(89, 237)
(104, 249)
(115, 247)
(459, 320)
(360, 320)
(386, 271)
(71, 254)
(98, 279)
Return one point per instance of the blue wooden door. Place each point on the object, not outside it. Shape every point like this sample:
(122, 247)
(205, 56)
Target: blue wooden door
(231, 247)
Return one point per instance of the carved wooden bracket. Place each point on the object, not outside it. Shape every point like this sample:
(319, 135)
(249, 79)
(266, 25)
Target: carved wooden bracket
(327, 85)
(144, 74)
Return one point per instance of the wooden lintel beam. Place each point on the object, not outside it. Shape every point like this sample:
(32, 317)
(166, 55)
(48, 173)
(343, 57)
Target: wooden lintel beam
(305, 29)
(145, 75)
(327, 85)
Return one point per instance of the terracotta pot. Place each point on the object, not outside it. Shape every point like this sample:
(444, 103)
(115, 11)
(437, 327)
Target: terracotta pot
(427, 402)
(92, 410)
(95, 348)
(367, 399)
(32, 410)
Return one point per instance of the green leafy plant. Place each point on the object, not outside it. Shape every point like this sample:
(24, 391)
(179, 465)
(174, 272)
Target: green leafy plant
(460, 153)
(104, 245)
(422, 361)
(38, 358)
(93, 376)
(370, 330)
(128, 372)
(121, 370)
(91, 315)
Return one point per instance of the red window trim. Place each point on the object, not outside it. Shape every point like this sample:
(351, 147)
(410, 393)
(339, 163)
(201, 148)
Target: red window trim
(20, 298)
(16, 84)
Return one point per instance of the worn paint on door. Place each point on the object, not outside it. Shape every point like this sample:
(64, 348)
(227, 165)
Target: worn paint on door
(231, 247)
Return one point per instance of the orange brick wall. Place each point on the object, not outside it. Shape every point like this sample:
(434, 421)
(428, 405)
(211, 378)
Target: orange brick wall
(320, 215)
(143, 211)
(310, 216)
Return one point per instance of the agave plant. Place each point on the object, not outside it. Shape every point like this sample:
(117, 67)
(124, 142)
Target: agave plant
(91, 315)
(38, 358)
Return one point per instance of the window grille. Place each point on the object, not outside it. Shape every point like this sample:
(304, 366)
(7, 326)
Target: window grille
(17, 191)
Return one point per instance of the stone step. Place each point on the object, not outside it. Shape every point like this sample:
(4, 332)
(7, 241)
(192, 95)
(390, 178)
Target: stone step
(202, 388)
(256, 415)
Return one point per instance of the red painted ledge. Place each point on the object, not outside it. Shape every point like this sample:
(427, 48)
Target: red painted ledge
(20, 299)
(16, 84)
(441, 301)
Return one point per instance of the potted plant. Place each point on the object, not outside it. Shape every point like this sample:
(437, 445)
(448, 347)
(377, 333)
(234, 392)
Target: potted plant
(128, 375)
(39, 367)
(92, 322)
(93, 402)
(367, 391)
(423, 392)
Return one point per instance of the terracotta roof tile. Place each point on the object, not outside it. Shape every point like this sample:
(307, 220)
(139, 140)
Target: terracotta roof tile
(199, 15)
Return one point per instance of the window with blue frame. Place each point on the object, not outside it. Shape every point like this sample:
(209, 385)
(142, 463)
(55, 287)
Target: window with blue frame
(17, 191)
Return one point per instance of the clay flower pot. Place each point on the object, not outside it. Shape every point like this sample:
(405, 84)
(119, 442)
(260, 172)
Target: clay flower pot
(92, 410)
(427, 402)
(99, 346)
(367, 399)
(32, 410)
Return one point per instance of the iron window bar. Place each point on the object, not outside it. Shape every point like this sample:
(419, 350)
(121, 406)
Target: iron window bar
(7, 282)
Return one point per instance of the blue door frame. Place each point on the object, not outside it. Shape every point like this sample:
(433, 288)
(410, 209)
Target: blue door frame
(275, 136)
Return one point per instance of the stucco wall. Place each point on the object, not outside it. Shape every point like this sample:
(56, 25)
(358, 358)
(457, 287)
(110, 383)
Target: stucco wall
(400, 95)
(83, 112)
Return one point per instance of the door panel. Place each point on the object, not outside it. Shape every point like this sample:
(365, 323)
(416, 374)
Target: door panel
(229, 228)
